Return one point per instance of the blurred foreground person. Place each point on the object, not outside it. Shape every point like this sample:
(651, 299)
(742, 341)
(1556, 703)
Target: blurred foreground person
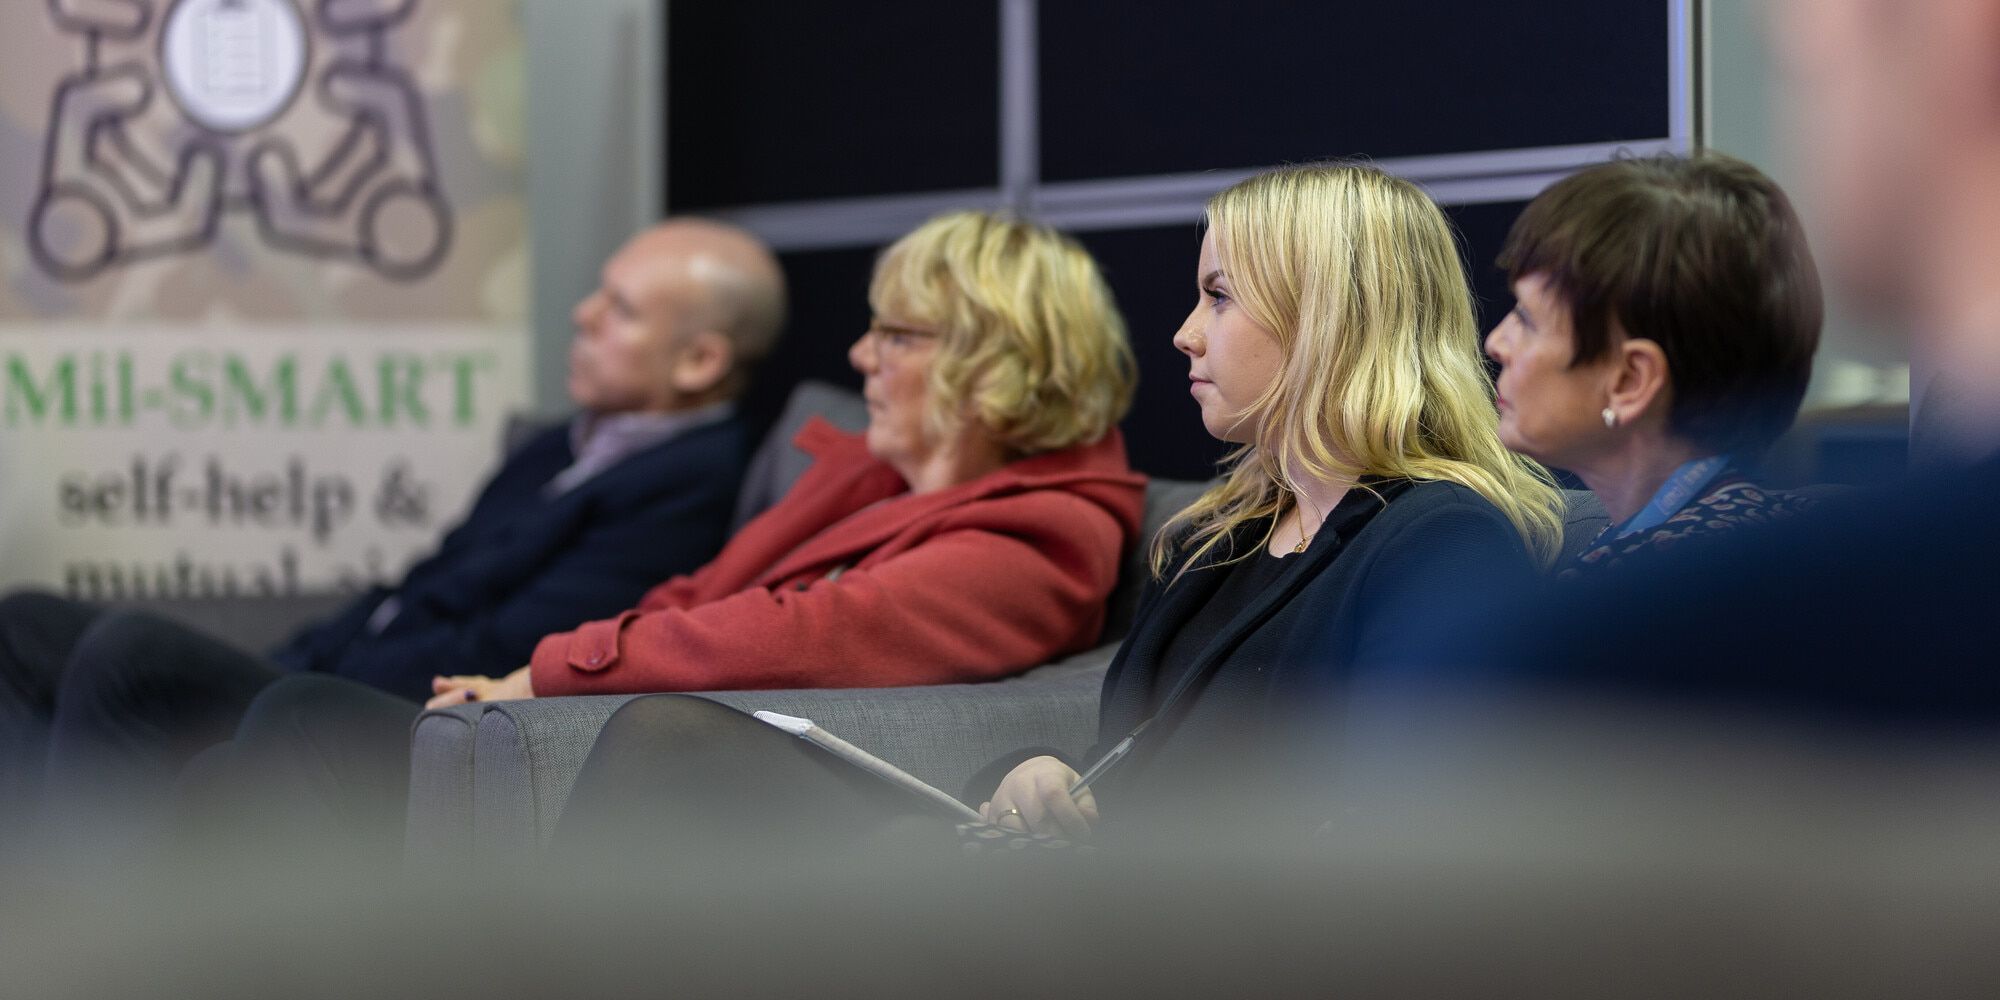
(972, 532)
(1872, 608)
(576, 524)
(1723, 905)
(1333, 339)
(1822, 691)
(1667, 311)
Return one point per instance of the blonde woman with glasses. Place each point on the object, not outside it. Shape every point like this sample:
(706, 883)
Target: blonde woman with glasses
(971, 532)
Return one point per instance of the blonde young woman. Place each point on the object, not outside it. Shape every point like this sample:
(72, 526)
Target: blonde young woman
(1369, 502)
(1332, 338)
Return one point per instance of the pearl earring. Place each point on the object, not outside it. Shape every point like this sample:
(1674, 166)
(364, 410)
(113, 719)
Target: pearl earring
(1610, 417)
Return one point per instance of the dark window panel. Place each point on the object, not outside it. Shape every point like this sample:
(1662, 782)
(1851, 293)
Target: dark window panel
(1129, 89)
(1483, 229)
(777, 101)
(1151, 271)
(829, 309)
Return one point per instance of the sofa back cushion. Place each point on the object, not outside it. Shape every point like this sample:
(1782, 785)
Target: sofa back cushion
(1164, 499)
(776, 464)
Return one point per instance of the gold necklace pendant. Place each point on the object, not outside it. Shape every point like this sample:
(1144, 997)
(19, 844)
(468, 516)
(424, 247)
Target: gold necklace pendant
(1305, 537)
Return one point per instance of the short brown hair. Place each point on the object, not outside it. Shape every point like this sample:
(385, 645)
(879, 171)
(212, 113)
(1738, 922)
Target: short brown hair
(1702, 255)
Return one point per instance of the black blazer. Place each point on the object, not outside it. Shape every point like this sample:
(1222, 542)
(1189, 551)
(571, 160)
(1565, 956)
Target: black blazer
(522, 565)
(1380, 590)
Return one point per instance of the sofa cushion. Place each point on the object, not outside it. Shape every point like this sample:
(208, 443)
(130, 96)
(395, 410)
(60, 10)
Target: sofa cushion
(1164, 499)
(527, 754)
(777, 463)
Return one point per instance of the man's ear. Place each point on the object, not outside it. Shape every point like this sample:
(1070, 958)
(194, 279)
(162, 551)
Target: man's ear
(704, 362)
(1640, 379)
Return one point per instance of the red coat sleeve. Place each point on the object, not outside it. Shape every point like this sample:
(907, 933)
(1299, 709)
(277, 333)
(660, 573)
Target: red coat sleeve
(677, 592)
(972, 601)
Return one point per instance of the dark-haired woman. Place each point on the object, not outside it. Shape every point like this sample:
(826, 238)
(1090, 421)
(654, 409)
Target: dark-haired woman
(1667, 314)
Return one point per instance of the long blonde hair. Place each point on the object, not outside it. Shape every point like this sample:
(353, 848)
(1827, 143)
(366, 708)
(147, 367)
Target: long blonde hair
(1358, 275)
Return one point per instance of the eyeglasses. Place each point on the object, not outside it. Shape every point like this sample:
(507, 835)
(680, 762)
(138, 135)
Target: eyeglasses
(894, 340)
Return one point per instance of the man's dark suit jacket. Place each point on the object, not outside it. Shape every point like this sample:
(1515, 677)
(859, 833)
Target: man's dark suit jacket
(523, 565)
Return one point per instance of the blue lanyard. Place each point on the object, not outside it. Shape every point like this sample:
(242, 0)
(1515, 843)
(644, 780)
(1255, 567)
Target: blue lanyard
(1687, 483)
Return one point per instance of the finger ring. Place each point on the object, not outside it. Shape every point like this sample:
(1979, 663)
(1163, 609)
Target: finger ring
(1012, 812)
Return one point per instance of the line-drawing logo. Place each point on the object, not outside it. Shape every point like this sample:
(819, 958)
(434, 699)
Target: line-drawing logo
(185, 110)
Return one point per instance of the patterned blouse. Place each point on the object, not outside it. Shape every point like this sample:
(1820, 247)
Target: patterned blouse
(1736, 503)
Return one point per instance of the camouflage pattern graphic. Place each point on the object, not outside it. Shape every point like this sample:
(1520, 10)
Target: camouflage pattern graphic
(261, 159)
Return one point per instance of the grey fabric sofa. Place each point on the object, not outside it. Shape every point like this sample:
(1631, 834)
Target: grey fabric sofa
(489, 780)
(494, 777)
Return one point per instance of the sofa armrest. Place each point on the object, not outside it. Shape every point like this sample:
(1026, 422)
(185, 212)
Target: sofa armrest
(527, 754)
(438, 828)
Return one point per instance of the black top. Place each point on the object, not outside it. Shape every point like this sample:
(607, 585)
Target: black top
(1237, 584)
(1389, 573)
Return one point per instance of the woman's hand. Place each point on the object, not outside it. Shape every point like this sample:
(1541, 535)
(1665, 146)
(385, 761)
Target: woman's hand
(449, 691)
(1034, 798)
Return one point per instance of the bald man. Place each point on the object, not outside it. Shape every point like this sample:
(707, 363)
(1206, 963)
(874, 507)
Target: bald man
(577, 523)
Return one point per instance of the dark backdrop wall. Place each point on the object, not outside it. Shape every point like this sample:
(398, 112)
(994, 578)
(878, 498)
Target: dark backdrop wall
(832, 129)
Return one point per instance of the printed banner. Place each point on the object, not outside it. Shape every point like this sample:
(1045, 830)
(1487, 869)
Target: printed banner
(264, 304)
